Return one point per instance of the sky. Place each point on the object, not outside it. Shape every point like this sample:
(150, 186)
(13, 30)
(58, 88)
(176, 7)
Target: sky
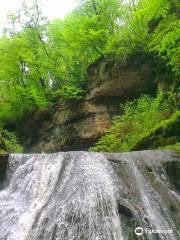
(51, 8)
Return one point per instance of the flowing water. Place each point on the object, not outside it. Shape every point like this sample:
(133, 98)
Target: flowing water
(155, 209)
(77, 196)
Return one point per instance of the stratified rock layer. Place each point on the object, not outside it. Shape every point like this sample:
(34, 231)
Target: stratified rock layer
(78, 125)
(116, 78)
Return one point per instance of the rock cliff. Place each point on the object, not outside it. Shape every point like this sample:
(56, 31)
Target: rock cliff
(77, 125)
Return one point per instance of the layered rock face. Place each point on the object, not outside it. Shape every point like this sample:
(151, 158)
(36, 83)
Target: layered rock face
(121, 79)
(78, 125)
(66, 127)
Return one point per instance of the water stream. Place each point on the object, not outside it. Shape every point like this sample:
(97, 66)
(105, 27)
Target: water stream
(76, 196)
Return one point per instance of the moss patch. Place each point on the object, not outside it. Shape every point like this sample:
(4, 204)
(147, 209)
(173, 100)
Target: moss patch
(174, 147)
(164, 135)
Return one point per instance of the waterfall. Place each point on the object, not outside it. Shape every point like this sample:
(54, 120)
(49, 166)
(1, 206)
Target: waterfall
(60, 196)
(81, 196)
(155, 210)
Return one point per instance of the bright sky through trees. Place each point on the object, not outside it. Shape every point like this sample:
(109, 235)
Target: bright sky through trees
(52, 8)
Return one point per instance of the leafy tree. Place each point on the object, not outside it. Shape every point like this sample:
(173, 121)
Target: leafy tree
(43, 60)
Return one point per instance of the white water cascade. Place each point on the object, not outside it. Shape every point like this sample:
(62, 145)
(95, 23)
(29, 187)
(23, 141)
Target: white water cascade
(156, 210)
(81, 196)
(59, 196)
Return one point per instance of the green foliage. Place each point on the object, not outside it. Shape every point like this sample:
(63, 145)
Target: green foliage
(24, 83)
(70, 93)
(140, 118)
(11, 142)
(173, 147)
(41, 60)
(151, 26)
(165, 42)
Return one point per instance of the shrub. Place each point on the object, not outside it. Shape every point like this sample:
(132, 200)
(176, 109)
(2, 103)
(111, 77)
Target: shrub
(139, 119)
(70, 93)
(173, 147)
(11, 141)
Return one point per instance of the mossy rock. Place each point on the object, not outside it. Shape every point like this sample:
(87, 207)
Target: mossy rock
(3, 161)
(163, 141)
(167, 133)
(2, 147)
(174, 147)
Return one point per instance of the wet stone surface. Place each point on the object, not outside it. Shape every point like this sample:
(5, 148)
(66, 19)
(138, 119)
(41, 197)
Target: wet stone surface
(90, 196)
